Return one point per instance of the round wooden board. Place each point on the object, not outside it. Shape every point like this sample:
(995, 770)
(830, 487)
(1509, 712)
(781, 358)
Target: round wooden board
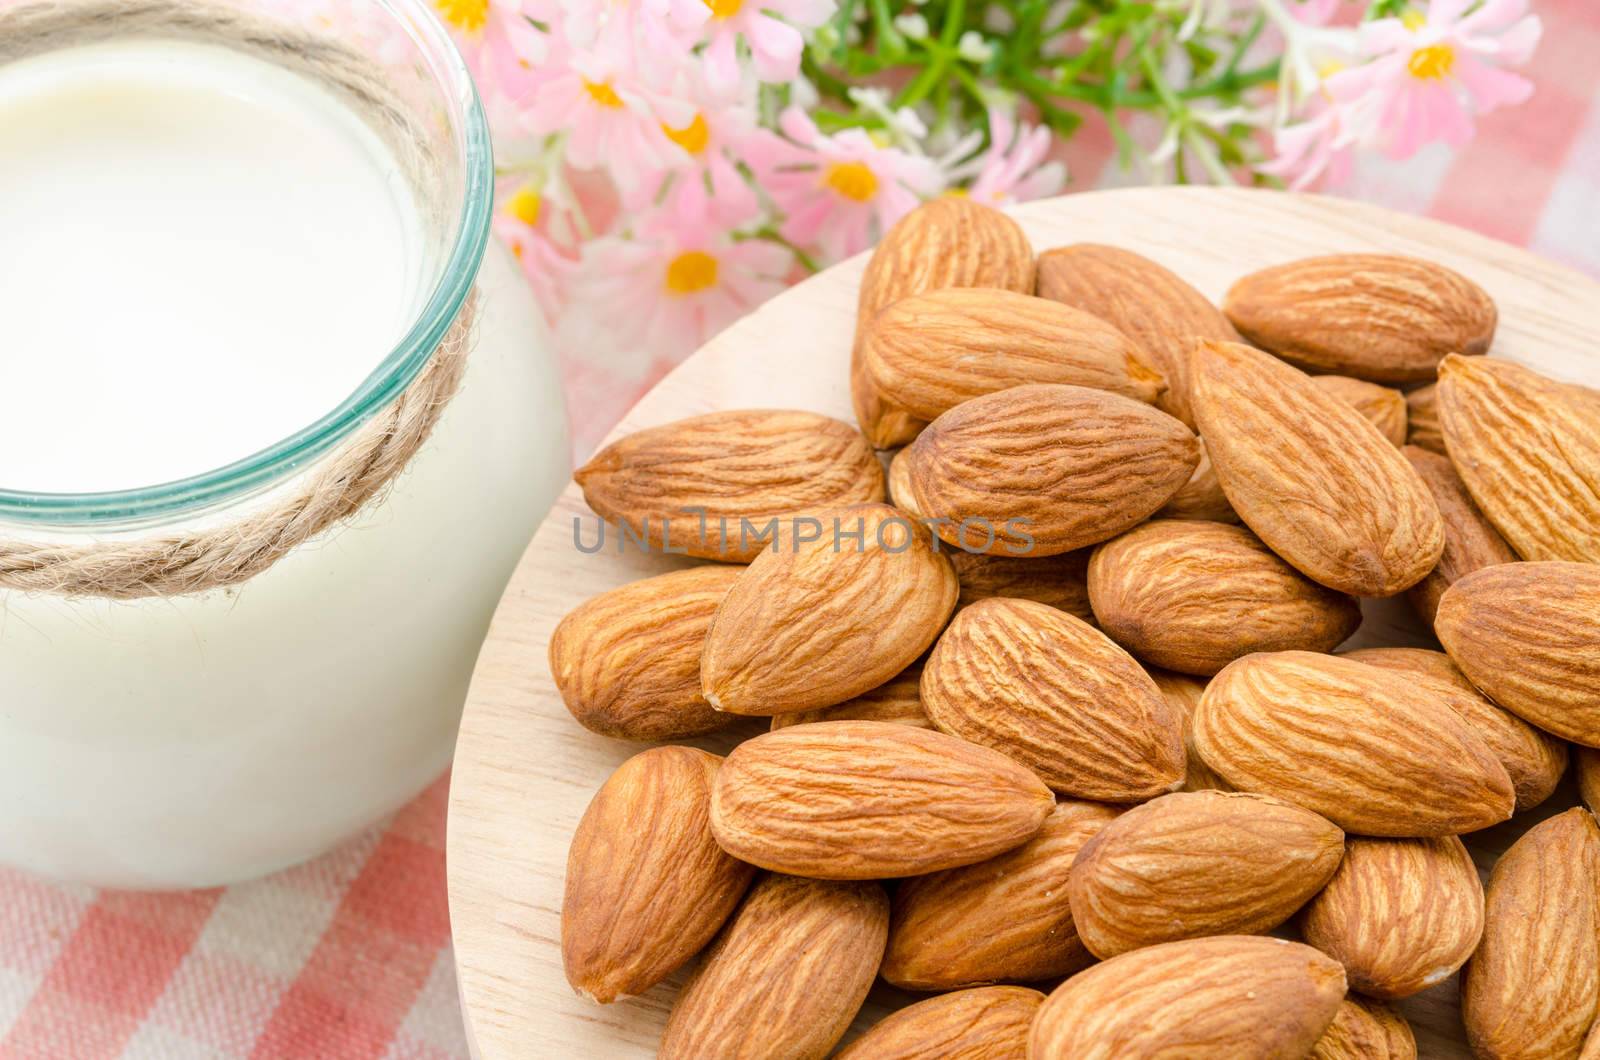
(525, 771)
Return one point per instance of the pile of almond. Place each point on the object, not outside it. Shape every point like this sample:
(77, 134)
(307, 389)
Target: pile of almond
(1069, 713)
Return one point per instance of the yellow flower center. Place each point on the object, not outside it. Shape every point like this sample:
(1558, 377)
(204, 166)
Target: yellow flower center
(602, 93)
(1413, 20)
(1432, 63)
(853, 180)
(692, 137)
(1329, 68)
(465, 15)
(525, 204)
(724, 8)
(691, 271)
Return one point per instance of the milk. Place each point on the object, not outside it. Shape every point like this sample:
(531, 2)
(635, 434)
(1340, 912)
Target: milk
(202, 253)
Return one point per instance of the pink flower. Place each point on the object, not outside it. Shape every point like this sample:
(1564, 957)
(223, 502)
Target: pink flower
(1314, 12)
(1432, 74)
(496, 39)
(708, 147)
(681, 276)
(1014, 168)
(611, 117)
(654, 36)
(835, 190)
(1322, 145)
(540, 235)
(769, 28)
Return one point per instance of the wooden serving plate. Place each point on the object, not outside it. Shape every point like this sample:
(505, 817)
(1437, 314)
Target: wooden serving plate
(525, 771)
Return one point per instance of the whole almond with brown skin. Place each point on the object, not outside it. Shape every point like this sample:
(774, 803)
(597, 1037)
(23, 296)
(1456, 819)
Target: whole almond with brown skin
(899, 701)
(627, 662)
(1531, 987)
(1201, 497)
(1228, 997)
(686, 486)
(1046, 469)
(1005, 919)
(867, 800)
(1183, 691)
(1422, 419)
(1381, 317)
(1057, 695)
(1527, 635)
(987, 1023)
(1193, 596)
(1312, 477)
(647, 886)
(1400, 914)
(900, 482)
(785, 977)
(946, 242)
(1060, 581)
(1384, 406)
(1368, 749)
(1534, 760)
(1149, 303)
(1197, 863)
(928, 353)
(816, 623)
(1366, 1030)
(1470, 542)
(1528, 450)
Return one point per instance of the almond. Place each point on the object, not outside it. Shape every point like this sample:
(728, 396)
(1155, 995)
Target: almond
(818, 622)
(1534, 760)
(1531, 987)
(1586, 762)
(899, 701)
(1055, 694)
(947, 242)
(1366, 1030)
(1381, 317)
(1041, 470)
(1060, 581)
(1470, 542)
(1527, 634)
(1183, 692)
(928, 353)
(1400, 914)
(647, 886)
(1194, 596)
(1528, 449)
(1422, 419)
(1312, 477)
(1366, 748)
(785, 977)
(1229, 997)
(863, 800)
(627, 662)
(1149, 303)
(989, 1023)
(1002, 919)
(1198, 863)
(708, 485)
(1201, 497)
(1384, 406)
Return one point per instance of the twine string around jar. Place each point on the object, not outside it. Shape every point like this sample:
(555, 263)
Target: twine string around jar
(336, 488)
(339, 484)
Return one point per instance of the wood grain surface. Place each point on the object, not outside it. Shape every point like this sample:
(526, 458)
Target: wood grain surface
(524, 770)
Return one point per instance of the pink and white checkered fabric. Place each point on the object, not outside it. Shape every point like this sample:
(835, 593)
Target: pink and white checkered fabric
(349, 956)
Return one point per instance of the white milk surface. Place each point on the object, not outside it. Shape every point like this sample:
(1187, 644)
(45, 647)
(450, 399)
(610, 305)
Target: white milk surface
(200, 253)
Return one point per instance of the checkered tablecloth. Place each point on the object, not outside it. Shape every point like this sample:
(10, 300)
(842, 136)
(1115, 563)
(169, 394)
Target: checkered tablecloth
(349, 956)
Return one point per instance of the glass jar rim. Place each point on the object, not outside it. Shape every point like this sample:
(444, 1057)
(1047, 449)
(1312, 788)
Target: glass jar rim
(383, 385)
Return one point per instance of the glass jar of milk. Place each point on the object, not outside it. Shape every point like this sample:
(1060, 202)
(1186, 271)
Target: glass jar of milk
(235, 231)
